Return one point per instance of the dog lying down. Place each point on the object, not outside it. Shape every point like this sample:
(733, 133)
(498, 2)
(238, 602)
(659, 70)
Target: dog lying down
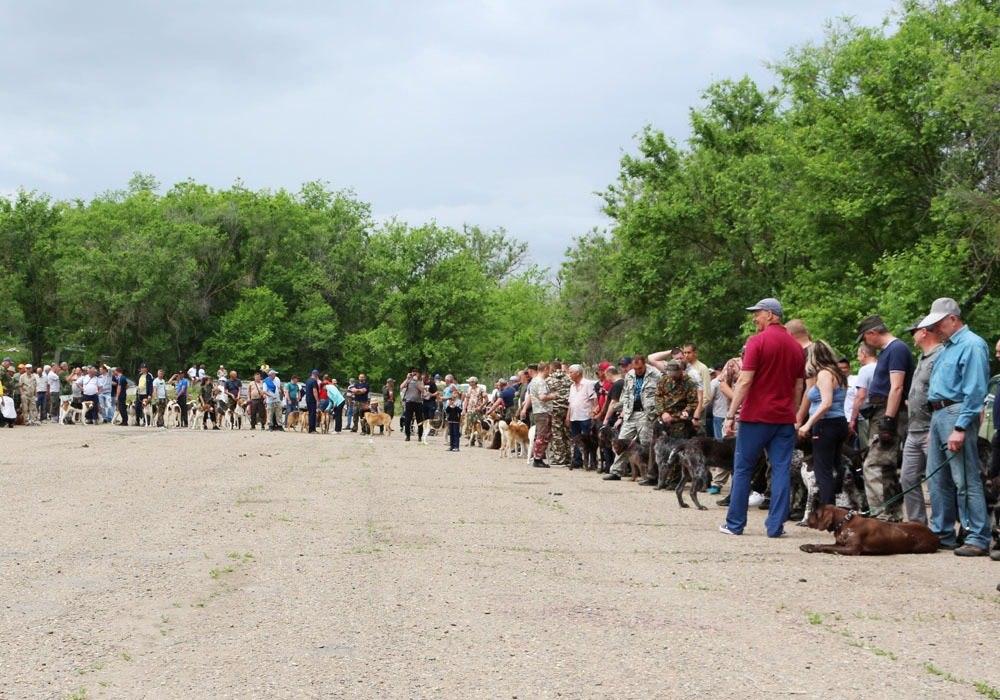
(855, 534)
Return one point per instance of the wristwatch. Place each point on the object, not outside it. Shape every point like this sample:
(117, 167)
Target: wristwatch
(959, 428)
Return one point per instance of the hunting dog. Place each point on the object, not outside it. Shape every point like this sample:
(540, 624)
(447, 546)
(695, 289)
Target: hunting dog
(172, 416)
(504, 429)
(518, 438)
(297, 420)
(694, 457)
(605, 435)
(849, 493)
(480, 429)
(531, 444)
(375, 420)
(858, 535)
(636, 456)
(587, 444)
(68, 411)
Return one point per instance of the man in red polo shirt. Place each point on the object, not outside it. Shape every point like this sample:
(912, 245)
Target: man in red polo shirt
(766, 397)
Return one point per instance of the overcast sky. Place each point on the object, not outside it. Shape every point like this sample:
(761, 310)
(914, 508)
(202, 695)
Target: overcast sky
(496, 113)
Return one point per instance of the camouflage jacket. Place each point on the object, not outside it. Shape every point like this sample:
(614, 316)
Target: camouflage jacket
(558, 383)
(647, 395)
(675, 396)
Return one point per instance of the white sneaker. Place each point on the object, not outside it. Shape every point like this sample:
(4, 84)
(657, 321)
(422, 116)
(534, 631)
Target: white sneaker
(726, 531)
(755, 499)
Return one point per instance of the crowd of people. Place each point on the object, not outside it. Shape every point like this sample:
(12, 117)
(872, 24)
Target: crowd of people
(904, 419)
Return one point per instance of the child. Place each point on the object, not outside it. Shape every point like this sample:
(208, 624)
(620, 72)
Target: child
(453, 413)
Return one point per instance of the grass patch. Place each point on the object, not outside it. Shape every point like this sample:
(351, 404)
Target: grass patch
(217, 573)
(984, 688)
(78, 694)
(814, 618)
(126, 656)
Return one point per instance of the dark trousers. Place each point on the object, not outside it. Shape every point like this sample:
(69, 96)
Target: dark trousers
(576, 428)
(413, 410)
(123, 409)
(995, 457)
(338, 417)
(42, 401)
(311, 408)
(257, 413)
(95, 406)
(182, 403)
(390, 408)
(454, 435)
(137, 405)
(828, 437)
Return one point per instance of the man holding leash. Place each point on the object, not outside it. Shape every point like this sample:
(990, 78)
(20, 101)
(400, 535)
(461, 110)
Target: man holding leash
(955, 397)
(767, 395)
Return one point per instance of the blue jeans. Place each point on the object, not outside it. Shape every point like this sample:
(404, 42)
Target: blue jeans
(751, 440)
(717, 422)
(956, 490)
(578, 427)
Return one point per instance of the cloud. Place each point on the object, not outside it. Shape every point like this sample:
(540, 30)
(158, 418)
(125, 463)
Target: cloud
(499, 113)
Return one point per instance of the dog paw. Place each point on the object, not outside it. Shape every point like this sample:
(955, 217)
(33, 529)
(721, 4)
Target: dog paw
(685, 505)
(702, 508)
(809, 548)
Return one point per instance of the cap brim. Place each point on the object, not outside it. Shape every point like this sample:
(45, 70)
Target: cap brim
(754, 308)
(931, 319)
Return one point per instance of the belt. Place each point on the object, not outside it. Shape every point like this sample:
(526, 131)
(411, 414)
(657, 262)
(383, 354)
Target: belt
(938, 405)
(877, 400)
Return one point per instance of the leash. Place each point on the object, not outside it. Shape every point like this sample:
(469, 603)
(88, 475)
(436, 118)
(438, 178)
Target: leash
(877, 512)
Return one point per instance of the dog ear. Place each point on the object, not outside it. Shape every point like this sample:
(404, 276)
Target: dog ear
(825, 516)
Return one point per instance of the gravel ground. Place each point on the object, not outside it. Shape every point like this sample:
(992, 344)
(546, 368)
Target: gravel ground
(148, 563)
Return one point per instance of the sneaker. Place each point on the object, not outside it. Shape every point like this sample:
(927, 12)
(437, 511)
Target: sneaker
(755, 499)
(780, 534)
(714, 490)
(970, 550)
(723, 502)
(540, 464)
(726, 531)
(612, 477)
(951, 546)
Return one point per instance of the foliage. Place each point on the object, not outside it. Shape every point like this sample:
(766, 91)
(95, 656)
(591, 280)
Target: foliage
(865, 182)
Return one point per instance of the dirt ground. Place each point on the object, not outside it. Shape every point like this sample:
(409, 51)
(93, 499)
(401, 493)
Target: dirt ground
(186, 564)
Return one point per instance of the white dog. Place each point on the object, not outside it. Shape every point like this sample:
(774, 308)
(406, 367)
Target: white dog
(172, 419)
(504, 430)
(531, 441)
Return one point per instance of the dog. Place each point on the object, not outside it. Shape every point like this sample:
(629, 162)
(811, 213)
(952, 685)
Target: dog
(693, 457)
(147, 414)
(297, 420)
(518, 436)
(480, 430)
(636, 456)
(172, 416)
(324, 421)
(504, 430)
(194, 418)
(375, 420)
(857, 535)
(531, 444)
(238, 415)
(605, 435)
(849, 494)
(587, 444)
(68, 413)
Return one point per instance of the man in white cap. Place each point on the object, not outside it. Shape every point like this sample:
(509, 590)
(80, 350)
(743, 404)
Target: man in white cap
(955, 396)
(767, 396)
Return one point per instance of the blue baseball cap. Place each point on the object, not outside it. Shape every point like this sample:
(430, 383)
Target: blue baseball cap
(769, 304)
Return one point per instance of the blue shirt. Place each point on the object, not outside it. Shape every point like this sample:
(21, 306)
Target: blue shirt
(836, 409)
(960, 374)
(508, 395)
(182, 388)
(894, 357)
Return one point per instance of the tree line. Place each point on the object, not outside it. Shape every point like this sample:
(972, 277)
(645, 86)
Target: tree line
(866, 180)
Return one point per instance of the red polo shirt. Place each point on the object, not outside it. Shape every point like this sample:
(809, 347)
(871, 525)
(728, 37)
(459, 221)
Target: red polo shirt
(776, 360)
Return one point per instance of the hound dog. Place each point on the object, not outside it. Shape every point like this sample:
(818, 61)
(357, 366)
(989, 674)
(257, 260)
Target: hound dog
(636, 456)
(324, 421)
(373, 421)
(503, 428)
(694, 457)
(195, 416)
(587, 444)
(172, 419)
(531, 444)
(68, 413)
(518, 439)
(856, 535)
(481, 428)
(605, 435)
(297, 420)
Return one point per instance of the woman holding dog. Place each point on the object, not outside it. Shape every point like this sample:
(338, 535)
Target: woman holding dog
(827, 422)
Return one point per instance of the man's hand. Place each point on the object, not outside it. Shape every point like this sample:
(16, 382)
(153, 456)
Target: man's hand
(666, 417)
(804, 430)
(887, 431)
(956, 440)
(729, 427)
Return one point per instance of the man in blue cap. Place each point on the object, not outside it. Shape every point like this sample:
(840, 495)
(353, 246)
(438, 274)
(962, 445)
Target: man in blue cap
(767, 395)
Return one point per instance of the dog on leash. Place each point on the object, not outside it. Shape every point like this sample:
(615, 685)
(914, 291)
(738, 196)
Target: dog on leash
(605, 435)
(172, 416)
(636, 456)
(481, 429)
(297, 420)
(375, 420)
(519, 444)
(587, 444)
(531, 444)
(68, 411)
(503, 428)
(693, 457)
(857, 535)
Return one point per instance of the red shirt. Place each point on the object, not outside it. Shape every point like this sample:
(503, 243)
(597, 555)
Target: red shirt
(322, 390)
(776, 360)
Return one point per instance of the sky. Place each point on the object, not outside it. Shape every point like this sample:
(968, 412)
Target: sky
(500, 114)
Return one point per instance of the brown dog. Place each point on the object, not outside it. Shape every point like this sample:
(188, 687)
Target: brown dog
(297, 420)
(636, 456)
(376, 419)
(857, 534)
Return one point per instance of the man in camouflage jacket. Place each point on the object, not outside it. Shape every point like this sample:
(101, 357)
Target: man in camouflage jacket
(558, 383)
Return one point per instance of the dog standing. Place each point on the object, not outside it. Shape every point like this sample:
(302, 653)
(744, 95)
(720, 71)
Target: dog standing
(374, 420)
(636, 456)
(518, 435)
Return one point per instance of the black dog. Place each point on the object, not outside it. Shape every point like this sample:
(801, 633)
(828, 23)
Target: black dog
(635, 455)
(587, 444)
(605, 436)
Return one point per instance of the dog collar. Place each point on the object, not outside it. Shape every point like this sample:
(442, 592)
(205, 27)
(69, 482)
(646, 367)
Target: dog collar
(847, 518)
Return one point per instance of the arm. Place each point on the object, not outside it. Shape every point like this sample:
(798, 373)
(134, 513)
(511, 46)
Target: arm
(895, 398)
(974, 383)
(742, 387)
(659, 360)
(859, 398)
(825, 383)
(803, 412)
